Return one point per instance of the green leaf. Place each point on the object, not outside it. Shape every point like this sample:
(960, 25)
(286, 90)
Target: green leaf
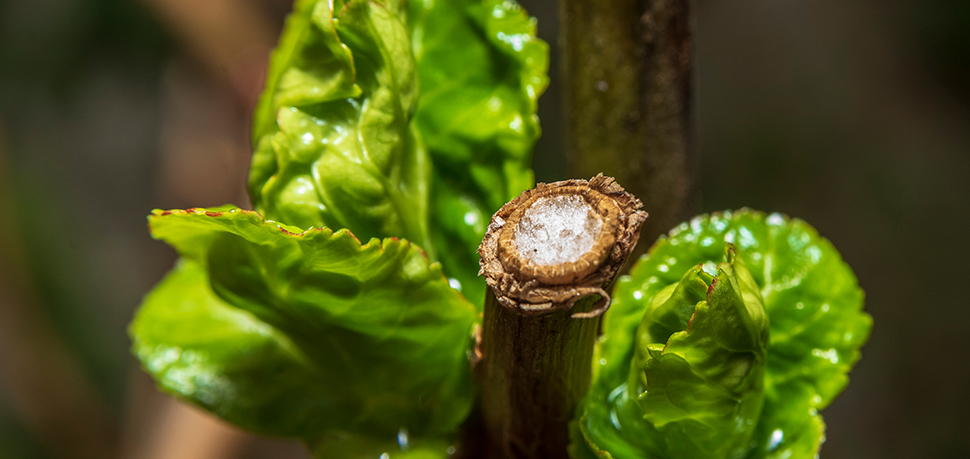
(702, 390)
(339, 80)
(816, 326)
(697, 371)
(482, 70)
(335, 143)
(226, 360)
(382, 335)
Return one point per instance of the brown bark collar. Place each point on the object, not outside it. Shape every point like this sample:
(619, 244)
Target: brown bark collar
(626, 68)
(533, 362)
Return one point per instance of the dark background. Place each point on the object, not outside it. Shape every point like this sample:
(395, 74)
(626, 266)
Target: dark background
(854, 116)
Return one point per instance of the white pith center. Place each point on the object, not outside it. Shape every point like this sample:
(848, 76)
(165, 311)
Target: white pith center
(556, 230)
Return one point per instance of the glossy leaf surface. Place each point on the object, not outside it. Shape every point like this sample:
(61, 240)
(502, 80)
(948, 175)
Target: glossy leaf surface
(702, 386)
(816, 326)
(226, 360)
(372, 337)
(335, 143)
(482, 70)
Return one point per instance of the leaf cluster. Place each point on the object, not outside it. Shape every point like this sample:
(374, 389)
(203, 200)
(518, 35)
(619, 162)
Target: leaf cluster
(733, 359)
(403, 123)
(407, 125)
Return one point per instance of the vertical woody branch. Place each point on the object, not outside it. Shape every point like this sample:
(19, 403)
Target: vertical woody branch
(547, 257)
(626, 68)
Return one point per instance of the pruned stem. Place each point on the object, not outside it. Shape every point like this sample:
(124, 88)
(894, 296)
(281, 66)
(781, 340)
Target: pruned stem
(534, 371)
(548, 257)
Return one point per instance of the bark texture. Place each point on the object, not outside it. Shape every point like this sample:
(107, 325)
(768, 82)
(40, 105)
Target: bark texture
(534, 371)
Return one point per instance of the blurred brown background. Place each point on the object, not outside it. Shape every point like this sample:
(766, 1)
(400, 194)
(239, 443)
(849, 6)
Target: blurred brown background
(854, 116)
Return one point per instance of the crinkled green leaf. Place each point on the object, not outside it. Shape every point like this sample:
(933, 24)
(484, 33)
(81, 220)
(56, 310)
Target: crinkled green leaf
(482, 70)
(338, 80)
(702, 387)
(816, 326)
(335, 143)
(226, 360)
(697, 371)
(382, 336)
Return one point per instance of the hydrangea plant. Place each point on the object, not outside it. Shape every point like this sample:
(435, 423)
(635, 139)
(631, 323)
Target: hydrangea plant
(407, 125)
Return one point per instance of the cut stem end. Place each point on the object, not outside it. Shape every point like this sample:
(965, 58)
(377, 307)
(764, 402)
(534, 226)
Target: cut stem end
(560, 242)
